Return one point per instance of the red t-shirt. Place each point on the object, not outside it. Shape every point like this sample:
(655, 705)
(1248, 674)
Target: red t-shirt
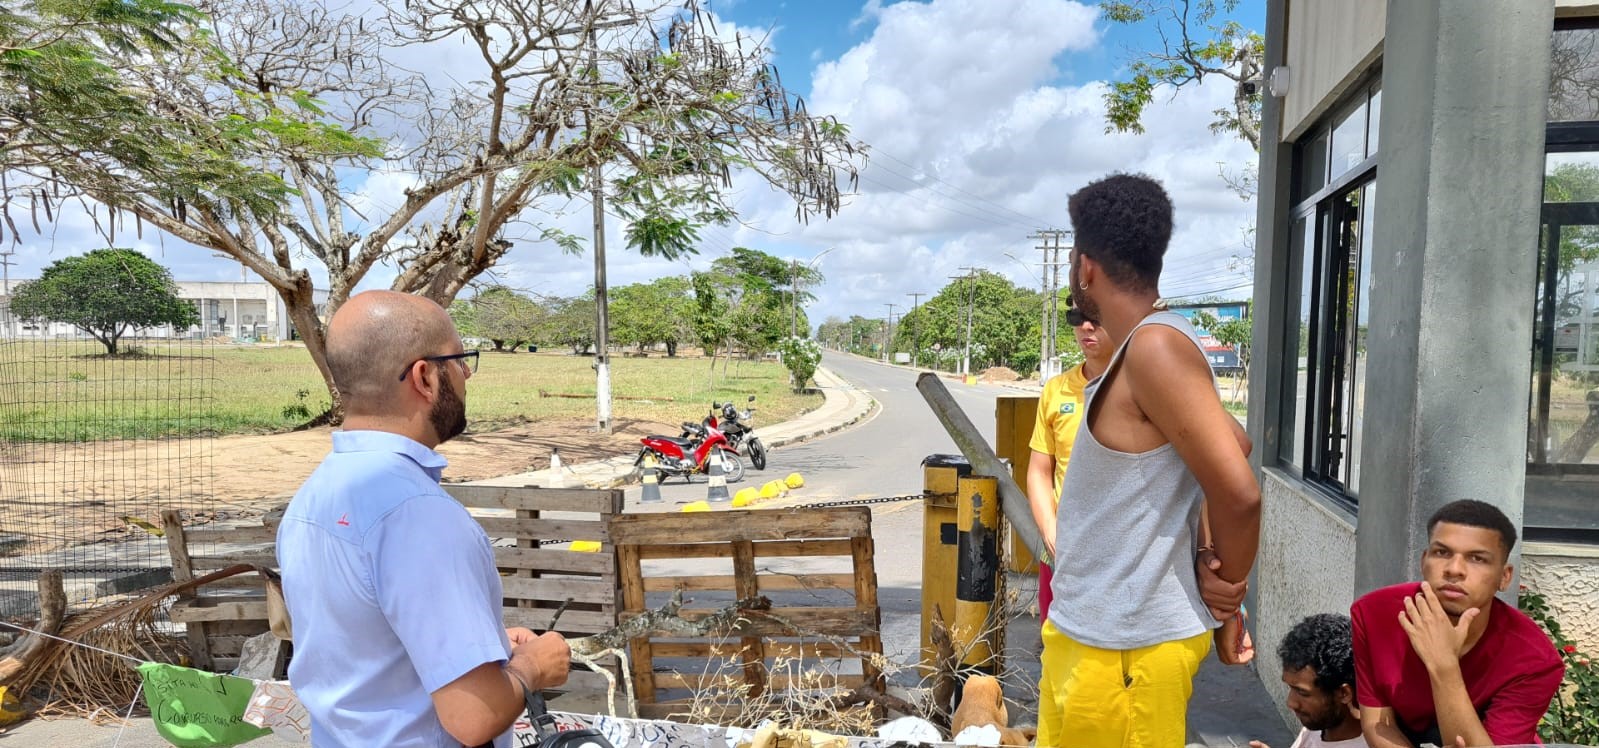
(1511, 673)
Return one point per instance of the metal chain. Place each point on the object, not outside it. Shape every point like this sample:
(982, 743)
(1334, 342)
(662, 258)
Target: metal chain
(864, 502)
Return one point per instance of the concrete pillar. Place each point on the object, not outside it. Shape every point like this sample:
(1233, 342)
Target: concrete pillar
(1459, 187)
(1272, 313)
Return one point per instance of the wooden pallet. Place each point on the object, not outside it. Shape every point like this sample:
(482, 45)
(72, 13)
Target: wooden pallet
(835, 637)
(537, 579)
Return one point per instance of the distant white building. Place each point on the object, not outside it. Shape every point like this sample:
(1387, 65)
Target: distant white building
(238, 310)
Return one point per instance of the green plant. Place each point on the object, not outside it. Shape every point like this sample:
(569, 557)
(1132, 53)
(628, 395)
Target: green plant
(1573, 715)
(77, 376)
(297, 410)
(801, 356)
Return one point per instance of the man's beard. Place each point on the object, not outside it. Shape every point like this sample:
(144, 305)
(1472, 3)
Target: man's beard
(1327, 720)
(448, 415)
(1080, 298)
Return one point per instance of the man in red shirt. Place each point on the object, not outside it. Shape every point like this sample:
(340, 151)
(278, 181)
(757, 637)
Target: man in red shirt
(1444, 661)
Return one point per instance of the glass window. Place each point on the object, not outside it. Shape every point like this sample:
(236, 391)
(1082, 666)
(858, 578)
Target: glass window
(1574, 75)
(1313, 165)
(1371, 122)
(1348, 146)
(1297, 340)
(1325, 356)
(1360, 304)
(1562, 488)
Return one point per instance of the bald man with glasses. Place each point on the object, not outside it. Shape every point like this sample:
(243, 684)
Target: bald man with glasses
(391, 584)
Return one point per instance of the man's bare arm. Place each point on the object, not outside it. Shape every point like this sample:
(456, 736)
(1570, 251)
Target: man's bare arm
(480, 705)
(1171, 384)
(1042, 499)
(1381, 728)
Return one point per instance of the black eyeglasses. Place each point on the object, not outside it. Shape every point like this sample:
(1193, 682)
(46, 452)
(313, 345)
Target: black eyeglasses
(468, 361)
(1075, 316)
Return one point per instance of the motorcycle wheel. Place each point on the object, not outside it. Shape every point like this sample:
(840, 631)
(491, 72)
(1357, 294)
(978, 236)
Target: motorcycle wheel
(732, 466)
(757, 453)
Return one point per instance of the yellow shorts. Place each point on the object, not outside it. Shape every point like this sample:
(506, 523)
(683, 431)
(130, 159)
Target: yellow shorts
(1108, 698)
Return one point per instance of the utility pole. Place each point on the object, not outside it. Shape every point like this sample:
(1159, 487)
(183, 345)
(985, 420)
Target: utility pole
(888, 333)
(916, 332)
(970, 277)
(1049, 327)
(5, 277)
(602, 321)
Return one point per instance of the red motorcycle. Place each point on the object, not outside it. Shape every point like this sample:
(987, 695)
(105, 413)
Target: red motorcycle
(693, 452)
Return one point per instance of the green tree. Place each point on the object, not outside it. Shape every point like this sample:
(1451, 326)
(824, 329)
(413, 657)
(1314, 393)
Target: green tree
(504, 317)
(105, 293)
(1004, 323)
(1197, 41)
(660, 311)
(758, 293)
(712, 326)
(568, 321)
(801, 356)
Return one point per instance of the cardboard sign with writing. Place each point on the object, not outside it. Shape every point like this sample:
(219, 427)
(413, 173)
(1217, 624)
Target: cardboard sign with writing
(196, 709)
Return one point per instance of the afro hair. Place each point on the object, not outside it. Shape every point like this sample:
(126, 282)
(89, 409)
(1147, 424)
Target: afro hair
(1124, 222)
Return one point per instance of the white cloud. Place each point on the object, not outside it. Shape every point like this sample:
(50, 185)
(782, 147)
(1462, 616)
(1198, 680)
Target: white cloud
(976, 144)
(976, 140)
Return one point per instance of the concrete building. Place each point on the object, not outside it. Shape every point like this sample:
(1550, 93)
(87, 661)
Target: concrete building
(241, 311)
(1425, 322)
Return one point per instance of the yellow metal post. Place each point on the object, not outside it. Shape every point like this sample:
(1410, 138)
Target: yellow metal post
(977, 571)
(1014, 417)
(940, 474)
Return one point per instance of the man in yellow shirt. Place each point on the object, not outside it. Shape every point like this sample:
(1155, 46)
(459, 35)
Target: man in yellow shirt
(1060, 411)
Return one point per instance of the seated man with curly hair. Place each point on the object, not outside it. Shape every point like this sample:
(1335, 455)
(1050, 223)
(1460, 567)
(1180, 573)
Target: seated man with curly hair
(1318, 659)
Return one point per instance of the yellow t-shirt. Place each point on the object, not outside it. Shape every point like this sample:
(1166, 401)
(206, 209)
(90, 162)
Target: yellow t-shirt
(1060, 412)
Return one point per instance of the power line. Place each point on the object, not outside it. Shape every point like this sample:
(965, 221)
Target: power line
(1024, 216)
(957, 200)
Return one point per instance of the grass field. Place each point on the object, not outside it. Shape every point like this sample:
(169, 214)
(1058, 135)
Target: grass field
(66, 391)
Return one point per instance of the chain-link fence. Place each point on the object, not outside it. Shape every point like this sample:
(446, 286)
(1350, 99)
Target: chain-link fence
(92, 448)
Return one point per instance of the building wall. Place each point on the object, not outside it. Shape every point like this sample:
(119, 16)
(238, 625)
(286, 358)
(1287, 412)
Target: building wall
(1568, 576)
(1306, 565)
(1330, 44)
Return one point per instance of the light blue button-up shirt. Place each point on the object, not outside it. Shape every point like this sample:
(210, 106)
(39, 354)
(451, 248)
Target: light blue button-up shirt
(393, 592)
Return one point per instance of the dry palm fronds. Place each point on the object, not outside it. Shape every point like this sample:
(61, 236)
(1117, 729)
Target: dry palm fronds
(79, 681)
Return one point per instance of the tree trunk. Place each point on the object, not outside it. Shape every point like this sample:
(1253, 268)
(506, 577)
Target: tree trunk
(301, 304)
(671, 349)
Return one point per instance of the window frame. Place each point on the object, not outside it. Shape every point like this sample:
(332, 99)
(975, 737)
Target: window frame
(1321, 461)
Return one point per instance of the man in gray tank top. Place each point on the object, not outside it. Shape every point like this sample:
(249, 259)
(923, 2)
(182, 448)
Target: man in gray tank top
(1132, 618)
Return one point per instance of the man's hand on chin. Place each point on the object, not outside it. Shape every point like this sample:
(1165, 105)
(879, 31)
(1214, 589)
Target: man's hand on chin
(1436, 641)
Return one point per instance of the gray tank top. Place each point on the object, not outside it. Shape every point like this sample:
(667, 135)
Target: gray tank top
(1126, 534)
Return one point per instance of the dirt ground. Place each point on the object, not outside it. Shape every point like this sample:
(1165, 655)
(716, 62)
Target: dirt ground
(63, 494)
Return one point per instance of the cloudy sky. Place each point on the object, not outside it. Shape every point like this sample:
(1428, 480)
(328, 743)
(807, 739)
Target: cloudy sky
(981, 117)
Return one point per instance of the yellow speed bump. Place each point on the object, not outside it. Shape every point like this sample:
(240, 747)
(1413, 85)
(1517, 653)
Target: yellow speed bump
(586, 546)
(794, 481)
(697, 506)
(10, 709)
(773, 489)
(745, 497)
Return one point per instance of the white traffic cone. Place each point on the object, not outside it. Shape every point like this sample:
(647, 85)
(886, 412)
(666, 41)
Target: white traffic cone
(716, 491)
(652, 481)
(557, 471)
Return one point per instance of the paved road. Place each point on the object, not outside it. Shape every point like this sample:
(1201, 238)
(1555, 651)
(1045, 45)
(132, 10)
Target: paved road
(877, 458)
